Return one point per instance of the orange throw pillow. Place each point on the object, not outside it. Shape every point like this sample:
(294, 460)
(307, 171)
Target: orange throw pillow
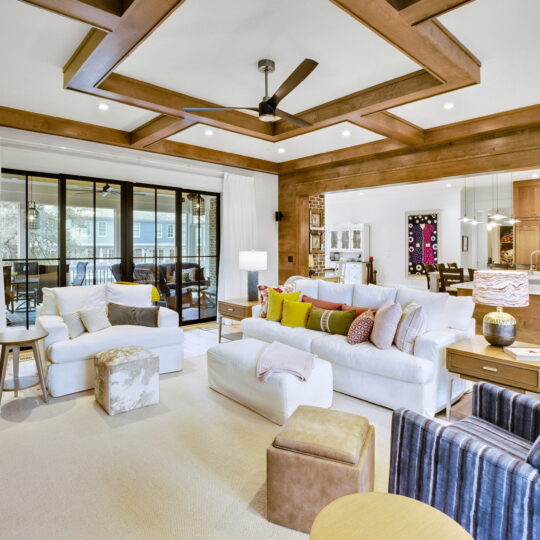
(359, 310)
(322, 303)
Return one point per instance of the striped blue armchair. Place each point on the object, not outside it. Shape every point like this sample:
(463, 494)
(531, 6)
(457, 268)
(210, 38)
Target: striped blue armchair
(483, 471)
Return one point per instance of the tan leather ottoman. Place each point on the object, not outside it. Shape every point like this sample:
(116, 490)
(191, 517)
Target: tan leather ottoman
(318, 456)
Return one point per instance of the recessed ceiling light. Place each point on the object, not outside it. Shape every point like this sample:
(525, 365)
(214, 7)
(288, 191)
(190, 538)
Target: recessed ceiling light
(63, 148)
(281, 150)
(535, 176)
(103, 107)
(208, 132)
(345, 133)
(448, 185)
(448, 106)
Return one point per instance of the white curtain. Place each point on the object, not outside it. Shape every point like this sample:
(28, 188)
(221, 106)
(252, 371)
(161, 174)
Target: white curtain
(238, 233)
(2, 301)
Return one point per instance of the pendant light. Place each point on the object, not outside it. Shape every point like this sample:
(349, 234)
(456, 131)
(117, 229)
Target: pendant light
(474, 221)
(32, 214)
(497, 215)
(465, 219)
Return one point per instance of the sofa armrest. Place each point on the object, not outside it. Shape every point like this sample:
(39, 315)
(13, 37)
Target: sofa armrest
(509, 410)
(57, 328)
(461, 476)
(432, 345)
(167, 317)
(256, 310)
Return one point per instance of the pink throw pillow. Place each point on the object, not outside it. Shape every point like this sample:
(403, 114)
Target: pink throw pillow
(385, 325)
(361, 328)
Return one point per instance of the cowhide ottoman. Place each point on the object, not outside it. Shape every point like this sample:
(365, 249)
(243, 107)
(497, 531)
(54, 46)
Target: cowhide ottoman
(126, 378)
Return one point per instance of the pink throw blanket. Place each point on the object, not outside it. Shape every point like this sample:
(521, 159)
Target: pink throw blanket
(280, 358)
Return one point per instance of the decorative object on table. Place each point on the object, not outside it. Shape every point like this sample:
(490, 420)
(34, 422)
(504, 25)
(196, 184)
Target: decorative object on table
(523, 353)
(253, 262)
(316, 219)
(316, 242)
(464, 243)
(371, 272)
(384, 515)
(236, 309)
(12, 340)
(317, 457)
(126, 378)
(497, 442)
(500, 288)
(422, 240)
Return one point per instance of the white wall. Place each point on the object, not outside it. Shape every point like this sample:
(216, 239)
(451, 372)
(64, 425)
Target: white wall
(42, 153)
(384, 210)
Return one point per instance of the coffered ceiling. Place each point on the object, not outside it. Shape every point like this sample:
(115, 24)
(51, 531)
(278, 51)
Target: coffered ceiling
(386, 69)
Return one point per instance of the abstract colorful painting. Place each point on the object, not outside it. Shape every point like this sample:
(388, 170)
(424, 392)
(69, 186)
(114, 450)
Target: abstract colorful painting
(423, 236)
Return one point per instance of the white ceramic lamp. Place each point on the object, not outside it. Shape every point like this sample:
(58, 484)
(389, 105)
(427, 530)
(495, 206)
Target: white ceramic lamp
(500, 288)
(253, 262)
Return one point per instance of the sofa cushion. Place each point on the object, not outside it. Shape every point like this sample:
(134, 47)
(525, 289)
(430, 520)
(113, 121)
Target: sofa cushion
(321, 303)
(70, 299)
(411, 325)
(269, 331)
(459, 311)
(129, 295)
(434, 305)
(336, 292)
(275, 303)
(263, 295)
(385, 325)
(94, 318)
(48, 306)
(331, 321)
(373, 296)
(309, 287)
(361, 328)
(295, 314)
(390, 363)
(140, 316)
(115, 336)
(74, 324)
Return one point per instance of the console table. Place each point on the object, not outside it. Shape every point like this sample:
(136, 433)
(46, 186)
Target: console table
(236, 309)
(476, 360)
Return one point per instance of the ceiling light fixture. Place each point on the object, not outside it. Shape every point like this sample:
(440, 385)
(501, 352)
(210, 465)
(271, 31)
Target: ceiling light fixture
(345, 133)
(63, 148)
(448, 185)
(281, 150)
(103, 107)
(208, 132)
(464, 218)
(448, 106)
(513, 221)
(535, 176)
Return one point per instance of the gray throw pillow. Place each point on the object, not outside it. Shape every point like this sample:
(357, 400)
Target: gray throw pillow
(138, 316)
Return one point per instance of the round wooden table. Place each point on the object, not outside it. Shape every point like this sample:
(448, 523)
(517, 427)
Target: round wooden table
(383, 516)
(12, 340)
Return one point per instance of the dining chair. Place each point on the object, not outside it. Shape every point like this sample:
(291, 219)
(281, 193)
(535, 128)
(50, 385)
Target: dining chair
(452, 265)
(449, 277)
(80, 273)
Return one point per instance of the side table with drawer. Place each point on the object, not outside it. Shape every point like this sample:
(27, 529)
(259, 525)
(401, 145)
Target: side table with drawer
(475, 359)
(236, 309)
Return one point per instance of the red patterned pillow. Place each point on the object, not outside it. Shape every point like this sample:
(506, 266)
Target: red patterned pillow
(263, 295)
(361, 328)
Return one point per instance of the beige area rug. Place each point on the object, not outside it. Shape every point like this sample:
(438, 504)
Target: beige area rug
(192, 467)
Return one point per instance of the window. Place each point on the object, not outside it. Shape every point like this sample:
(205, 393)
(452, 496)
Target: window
(101, 228)
(137, 252)
(170, 230)
(136, 230)
(84, 232)
(160, 230)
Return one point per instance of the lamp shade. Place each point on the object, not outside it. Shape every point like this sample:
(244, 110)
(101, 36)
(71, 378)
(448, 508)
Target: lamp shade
(252, 261)
(501, 288)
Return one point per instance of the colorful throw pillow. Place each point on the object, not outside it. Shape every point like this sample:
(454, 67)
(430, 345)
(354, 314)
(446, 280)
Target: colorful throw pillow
(323, 304)
(263, 295)
(331, 321)
(359, 310)
(275, 303)
(361, 328)
(385, 325)
(411, 325)
(295, 314)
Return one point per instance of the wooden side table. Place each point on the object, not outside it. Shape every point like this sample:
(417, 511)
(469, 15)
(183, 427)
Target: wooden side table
(476, 360)
(383, 516)
(236, 309)
(12, 340)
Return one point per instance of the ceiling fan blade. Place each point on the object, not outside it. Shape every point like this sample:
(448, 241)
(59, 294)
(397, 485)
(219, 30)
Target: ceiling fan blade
(292, 119)
(293, 80)
(203, 109)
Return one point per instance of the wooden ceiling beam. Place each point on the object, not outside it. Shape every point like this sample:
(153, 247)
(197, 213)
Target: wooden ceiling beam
(423, 10)
(62, 127)
(390, 126)
(157, 129)
(102, 14)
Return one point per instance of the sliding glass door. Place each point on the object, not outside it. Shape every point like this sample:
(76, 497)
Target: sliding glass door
(200, 251)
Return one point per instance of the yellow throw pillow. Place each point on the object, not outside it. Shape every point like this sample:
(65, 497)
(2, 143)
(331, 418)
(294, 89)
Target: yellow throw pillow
(275, 303)
(295, 314)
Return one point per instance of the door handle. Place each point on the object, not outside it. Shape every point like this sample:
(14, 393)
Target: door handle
(488, 368)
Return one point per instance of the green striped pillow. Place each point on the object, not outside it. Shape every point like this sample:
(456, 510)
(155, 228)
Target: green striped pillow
(331, 321)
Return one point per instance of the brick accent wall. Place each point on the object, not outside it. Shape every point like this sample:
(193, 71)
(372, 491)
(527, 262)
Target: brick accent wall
(316, 202)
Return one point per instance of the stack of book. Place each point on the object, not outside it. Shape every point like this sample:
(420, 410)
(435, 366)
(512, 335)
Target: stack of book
(523, 353)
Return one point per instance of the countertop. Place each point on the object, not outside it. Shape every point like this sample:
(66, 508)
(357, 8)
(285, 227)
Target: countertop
(534, 289)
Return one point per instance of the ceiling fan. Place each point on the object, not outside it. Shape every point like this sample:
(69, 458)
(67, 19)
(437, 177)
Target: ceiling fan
(267, 109)
(106, 190)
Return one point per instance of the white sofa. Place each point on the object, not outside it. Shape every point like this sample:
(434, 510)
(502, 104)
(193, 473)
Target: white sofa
(69, 366)
(390, 378)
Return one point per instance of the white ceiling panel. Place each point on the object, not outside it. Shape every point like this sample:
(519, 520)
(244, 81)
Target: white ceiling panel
(504, 35)
(210, 48)
(316, 142)
(35, 44)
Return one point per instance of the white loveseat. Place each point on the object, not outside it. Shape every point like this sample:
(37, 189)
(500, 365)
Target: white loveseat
(390, 378)
(69, 368)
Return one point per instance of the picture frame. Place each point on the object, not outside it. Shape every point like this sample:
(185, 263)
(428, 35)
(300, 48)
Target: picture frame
(464, 243)
(422, 229)
(316, 242)
(316, 219)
